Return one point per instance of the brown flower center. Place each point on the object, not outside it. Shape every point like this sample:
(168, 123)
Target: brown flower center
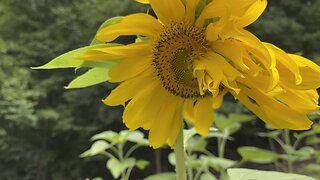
(175, 50)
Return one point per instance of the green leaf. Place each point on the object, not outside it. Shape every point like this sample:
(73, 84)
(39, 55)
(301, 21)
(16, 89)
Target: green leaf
(172, 159)
(142, 164)
(137, 137)
(241, 118)
(257, 155)
(195, 163)
(162, 176)
(96, 148)
(270, 134)
(106, 135)
(107, 23)
(312, 140)
(116, 167)
(228, 125)
(97, 178)
(305, 153)
(69, 59)
(316, 128)
(311, 168)
(91, 77)
(196, 143)
(188, 133)
(207, 176)
(220, 135)
(246, 174)
(218, 164)
(99, 147)
(304, 134)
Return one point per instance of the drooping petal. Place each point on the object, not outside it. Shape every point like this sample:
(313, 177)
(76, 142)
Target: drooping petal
(203, 114)
(309, 71)
(218, 100)
(288, 69)
(275, 113)
(304, 101)
(135, 24)
(175, 128)
(161, 127)
(168, 11)
(188, 110)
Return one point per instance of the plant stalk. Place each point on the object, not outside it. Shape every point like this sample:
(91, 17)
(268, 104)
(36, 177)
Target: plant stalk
(288, 143)
(179, 153)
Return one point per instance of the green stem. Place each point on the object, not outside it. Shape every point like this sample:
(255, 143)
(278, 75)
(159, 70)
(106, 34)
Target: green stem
(179, 155)
(189, 168)
(288, 143)
(197, 176)
(222, 147)
(131, 150)
(127, 175)
(121, 158)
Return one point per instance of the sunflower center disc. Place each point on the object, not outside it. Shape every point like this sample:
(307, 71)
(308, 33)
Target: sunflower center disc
(177, 47)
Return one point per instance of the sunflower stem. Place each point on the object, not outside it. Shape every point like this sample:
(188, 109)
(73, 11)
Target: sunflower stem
(180, 157)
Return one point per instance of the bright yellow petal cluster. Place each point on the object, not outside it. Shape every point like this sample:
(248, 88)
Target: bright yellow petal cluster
(188, 58)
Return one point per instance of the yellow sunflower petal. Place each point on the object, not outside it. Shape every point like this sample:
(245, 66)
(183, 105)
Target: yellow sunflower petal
(135, 24)
(191, 10)
(203, 114)
(218, 100)
(128, 89)
(310, 72)
(143, 1)
(216, 62)
(215, 9)
(253, 10)
(234, 52)
(288, 69)
(188, 112)
(168, 11)
(134, 50)
(278, 115)
(161, 127)
(175, 128)
(129, 68)
(304, 101)
(150, 109)
(137, 112)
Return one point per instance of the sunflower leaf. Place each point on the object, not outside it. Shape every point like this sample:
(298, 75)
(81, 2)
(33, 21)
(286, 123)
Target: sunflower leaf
(69, 59)
(257, 155)
(244, 174)
(91, 77)
(107, 23)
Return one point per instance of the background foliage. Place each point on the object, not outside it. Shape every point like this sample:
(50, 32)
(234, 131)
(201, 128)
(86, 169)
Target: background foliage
(44, 128)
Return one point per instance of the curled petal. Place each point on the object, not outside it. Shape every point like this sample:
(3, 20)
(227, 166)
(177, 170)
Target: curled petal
(309, 71)
(272, 111)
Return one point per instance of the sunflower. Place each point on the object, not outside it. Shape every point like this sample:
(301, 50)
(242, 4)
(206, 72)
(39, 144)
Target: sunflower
(188, 58)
